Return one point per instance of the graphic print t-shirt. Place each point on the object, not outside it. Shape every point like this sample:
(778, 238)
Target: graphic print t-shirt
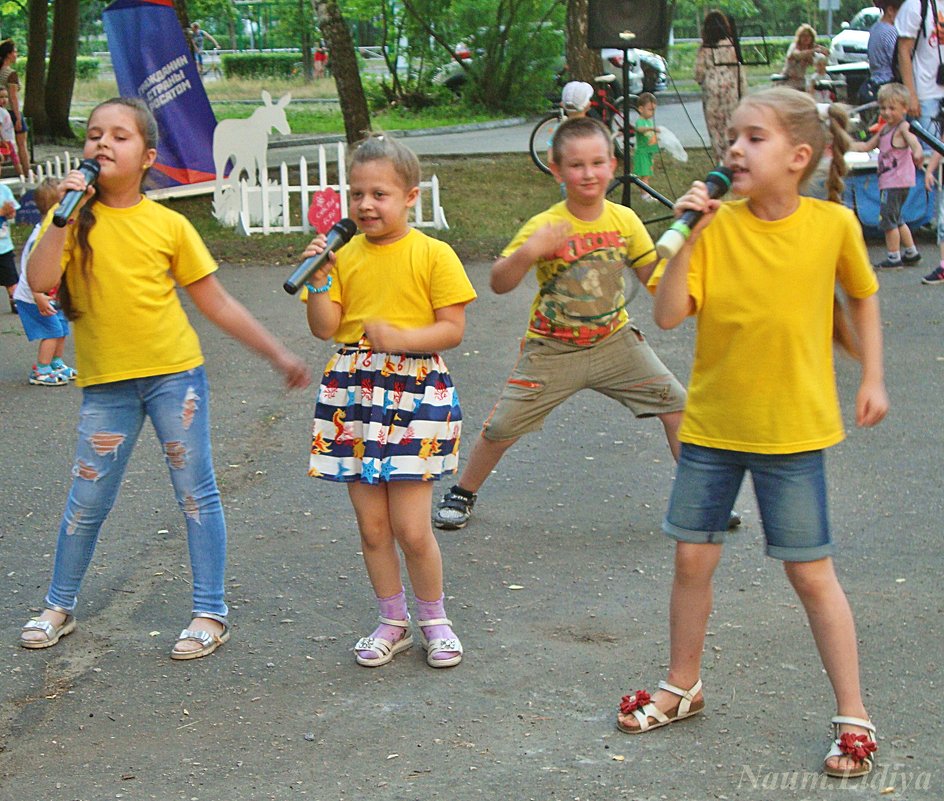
(581, 295)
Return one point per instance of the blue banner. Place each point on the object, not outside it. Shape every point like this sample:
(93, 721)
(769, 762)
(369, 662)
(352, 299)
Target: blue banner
(152, 61)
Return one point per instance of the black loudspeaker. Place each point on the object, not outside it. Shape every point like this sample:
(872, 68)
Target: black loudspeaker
(625, 24)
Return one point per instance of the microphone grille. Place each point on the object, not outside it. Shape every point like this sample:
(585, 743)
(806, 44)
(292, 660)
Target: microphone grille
(345, 228)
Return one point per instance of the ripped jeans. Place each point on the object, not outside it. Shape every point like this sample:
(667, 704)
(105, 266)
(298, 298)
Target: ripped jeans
(109, 423)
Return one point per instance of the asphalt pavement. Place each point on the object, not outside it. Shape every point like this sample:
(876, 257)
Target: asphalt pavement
(558, 589)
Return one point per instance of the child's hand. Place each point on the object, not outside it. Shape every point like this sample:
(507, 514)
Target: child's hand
(697, 199)
(44, 304)
(930, 178)
(76, 180)
(316, 246)
(549, 239)
(871, 404)
(384, 337)
(294, 370)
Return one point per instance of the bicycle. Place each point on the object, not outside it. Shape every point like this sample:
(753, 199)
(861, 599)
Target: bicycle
(604, 107)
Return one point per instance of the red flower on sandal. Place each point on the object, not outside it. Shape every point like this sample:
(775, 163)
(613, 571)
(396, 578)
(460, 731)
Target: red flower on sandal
(630, 703)
(857, 746)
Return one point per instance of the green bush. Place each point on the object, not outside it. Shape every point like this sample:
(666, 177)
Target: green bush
(282, 66)
(86, 68)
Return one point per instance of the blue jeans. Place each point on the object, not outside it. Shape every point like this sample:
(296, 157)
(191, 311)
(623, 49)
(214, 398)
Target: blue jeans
(109, 423)
(790, 490)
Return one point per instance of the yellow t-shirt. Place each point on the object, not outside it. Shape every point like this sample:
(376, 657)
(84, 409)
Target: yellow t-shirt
(581, 294)
(763, 379)
(131, 323)
(402, 283)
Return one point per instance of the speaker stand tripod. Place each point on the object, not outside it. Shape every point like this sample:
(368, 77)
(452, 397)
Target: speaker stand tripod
(627, 180)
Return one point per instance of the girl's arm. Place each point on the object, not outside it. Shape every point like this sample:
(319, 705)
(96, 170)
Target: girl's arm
(866, 146)
(700, 59)
(673, 303)
(13, 90)
(508, 272)
(443, 334)
(871, 399)
(324, 315)
(44, 269)
(917, 153)
(224, 311)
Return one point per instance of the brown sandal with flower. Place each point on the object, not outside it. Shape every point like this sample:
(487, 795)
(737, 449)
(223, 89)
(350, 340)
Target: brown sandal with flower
(641, 707)
(860, 748)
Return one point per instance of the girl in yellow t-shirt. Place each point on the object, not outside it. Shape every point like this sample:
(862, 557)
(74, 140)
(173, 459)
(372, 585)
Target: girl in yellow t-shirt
(387, 420)
(138, 356)
(761, 281)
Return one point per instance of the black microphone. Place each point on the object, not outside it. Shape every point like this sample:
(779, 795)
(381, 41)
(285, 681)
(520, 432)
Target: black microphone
(89, 168)
(670, 243)
(926, 136)
(338, 235)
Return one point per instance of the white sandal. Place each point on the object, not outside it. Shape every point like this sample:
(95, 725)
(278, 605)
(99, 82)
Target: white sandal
(858, 747)
(440, 645)
(642, 708)
(384, 649)
(53, 633)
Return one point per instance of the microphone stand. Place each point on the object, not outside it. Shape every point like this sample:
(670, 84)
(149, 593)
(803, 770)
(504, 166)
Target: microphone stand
(628, 179)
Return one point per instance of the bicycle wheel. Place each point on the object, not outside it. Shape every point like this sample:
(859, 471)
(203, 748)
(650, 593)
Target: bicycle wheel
(541, 138)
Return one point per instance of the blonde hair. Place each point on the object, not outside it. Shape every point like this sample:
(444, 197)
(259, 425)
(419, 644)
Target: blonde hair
(383, 147)
(46, 195)
(894, 92)
(805, 28)
(799, 118)
(578, 128)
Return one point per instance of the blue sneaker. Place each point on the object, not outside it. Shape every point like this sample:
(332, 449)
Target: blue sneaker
(50, 379)
(68, 373)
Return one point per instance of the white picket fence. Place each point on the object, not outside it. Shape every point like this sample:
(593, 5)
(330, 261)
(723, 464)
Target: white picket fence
(294, 200)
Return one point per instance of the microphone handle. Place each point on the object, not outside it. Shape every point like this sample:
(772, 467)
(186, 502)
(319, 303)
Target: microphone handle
(73, 197)
(305, 270)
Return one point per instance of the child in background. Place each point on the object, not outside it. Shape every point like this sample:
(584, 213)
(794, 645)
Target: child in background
(118, 267)
(387, 421)
(7, 132)
(579, 334)
(936, 276)
(576, 97)
(899, 153)
(819, 85)
(8, 274)
(760, 275)
(647, 140)
(39, 312)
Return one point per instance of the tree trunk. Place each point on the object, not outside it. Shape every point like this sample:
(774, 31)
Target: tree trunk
(582, 63)
(344, 69)
(34, 105)
(183, 15)
(65, 47)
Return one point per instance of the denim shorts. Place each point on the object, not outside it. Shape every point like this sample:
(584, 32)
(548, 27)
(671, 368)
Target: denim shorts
(790, 490)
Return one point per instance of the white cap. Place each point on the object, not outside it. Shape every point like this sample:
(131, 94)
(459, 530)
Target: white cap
(576, 96)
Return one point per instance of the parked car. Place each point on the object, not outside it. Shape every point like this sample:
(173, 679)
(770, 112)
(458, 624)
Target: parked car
(647, 71)
(852, 42)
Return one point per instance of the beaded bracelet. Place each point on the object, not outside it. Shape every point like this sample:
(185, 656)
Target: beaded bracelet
(319, 290)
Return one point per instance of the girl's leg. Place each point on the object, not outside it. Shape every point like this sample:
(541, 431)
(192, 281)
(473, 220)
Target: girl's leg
(178, 405)
(833, 630)
(383, 565)
(409, 503)
(109, 423)
(689, 610)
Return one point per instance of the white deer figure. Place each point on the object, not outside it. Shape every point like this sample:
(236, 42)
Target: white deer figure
(244, 143)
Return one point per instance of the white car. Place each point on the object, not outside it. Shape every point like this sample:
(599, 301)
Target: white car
(852, 42)
(647, 71)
